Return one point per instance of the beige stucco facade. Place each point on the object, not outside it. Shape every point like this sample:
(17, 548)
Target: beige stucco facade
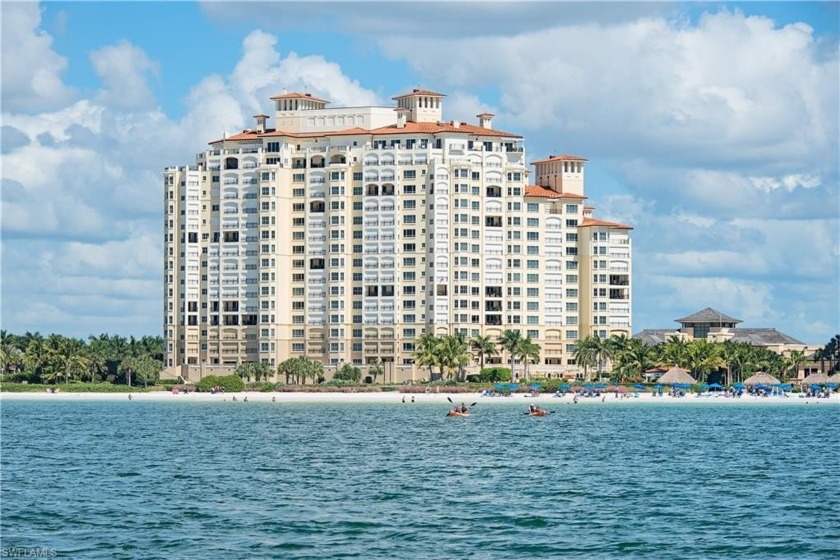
(345, 243)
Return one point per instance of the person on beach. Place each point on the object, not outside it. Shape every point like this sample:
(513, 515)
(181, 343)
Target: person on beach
(129, 396)
(246, 399)
(403, 399)
(273, 399)
(575, 400)
(412, 398)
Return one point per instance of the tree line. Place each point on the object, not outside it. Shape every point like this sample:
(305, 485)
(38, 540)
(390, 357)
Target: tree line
(35, 358)
(629, 358)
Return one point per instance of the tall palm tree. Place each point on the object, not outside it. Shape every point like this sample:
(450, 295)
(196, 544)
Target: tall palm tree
(376, 368)
(793, 362)
(426, 352)
(529, 351)
(585, 354)
(484, 347)
(510, 342)
(675, 352)
(633, 360)
(603, 351)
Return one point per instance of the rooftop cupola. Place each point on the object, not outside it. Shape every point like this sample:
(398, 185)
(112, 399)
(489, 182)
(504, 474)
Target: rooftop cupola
(485, 120)
(260, 122)
(422, 105)
(401, 116)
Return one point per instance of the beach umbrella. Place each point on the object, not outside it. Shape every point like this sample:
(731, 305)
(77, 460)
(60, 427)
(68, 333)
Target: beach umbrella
(815, 379)
(536, 387)
(831, 385)
(677, 375)
(715, 386)
(760, 378)
(739, 386)
(639, 386)
(816, 387)
(657, 386)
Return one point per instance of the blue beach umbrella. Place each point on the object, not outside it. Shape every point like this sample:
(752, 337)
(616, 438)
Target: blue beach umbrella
(639, 386)
(831, 385)
(564, 387)
(657, 386)
(715, 386)
(536, 387)
(739, 386)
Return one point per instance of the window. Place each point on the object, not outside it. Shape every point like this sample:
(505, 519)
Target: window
(409, 174)
(409, 189)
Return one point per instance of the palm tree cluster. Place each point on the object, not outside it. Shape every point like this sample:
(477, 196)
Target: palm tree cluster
(35, 358)
(727, 362)
(451, 354)
(297, 370)
(830, 353)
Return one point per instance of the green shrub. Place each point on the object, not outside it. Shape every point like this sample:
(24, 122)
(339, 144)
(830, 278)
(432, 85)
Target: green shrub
(338, 382)
(495, 374)
(262, 386)
(230, 383)
(69, 388)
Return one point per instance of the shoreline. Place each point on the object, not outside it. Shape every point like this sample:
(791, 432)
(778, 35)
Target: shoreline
(545, 400)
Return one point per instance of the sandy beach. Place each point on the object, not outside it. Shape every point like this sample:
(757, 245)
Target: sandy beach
(544, 400)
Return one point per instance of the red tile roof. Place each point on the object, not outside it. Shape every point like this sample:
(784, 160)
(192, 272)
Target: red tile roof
(563, 157)
(409, 128)
(295, 95)
(587, 222)
(416, 91)
(545, 192)
(436, 128)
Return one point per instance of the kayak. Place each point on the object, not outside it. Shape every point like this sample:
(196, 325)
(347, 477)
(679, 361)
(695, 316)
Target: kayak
(538, 413)
(453, 413)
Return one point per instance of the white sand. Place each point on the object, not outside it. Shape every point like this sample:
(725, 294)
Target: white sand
(545, 400)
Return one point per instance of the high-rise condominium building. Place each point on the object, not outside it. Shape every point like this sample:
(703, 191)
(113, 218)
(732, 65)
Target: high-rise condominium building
(342, 234)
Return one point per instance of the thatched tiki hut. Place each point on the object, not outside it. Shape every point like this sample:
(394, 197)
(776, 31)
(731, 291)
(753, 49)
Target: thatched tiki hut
(677, 375)
(834, 378)
(815, 379)
(760, 378)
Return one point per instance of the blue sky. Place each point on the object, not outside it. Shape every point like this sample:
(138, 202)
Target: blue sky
(711, 127)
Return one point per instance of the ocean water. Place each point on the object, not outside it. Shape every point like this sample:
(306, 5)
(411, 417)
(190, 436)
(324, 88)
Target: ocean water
(120, 479)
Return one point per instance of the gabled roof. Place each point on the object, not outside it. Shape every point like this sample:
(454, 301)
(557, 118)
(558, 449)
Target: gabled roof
(562, 157)
(592, 222)
(545, 192)
(708, 315)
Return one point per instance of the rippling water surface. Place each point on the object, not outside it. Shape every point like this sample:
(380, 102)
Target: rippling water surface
(214, 480)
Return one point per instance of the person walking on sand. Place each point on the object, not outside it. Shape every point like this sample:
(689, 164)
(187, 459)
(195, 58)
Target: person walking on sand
(403, 400)
(412, 398)
(273, 399)
(129, 396)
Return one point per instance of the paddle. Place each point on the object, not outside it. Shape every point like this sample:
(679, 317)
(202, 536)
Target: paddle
(472, 405)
